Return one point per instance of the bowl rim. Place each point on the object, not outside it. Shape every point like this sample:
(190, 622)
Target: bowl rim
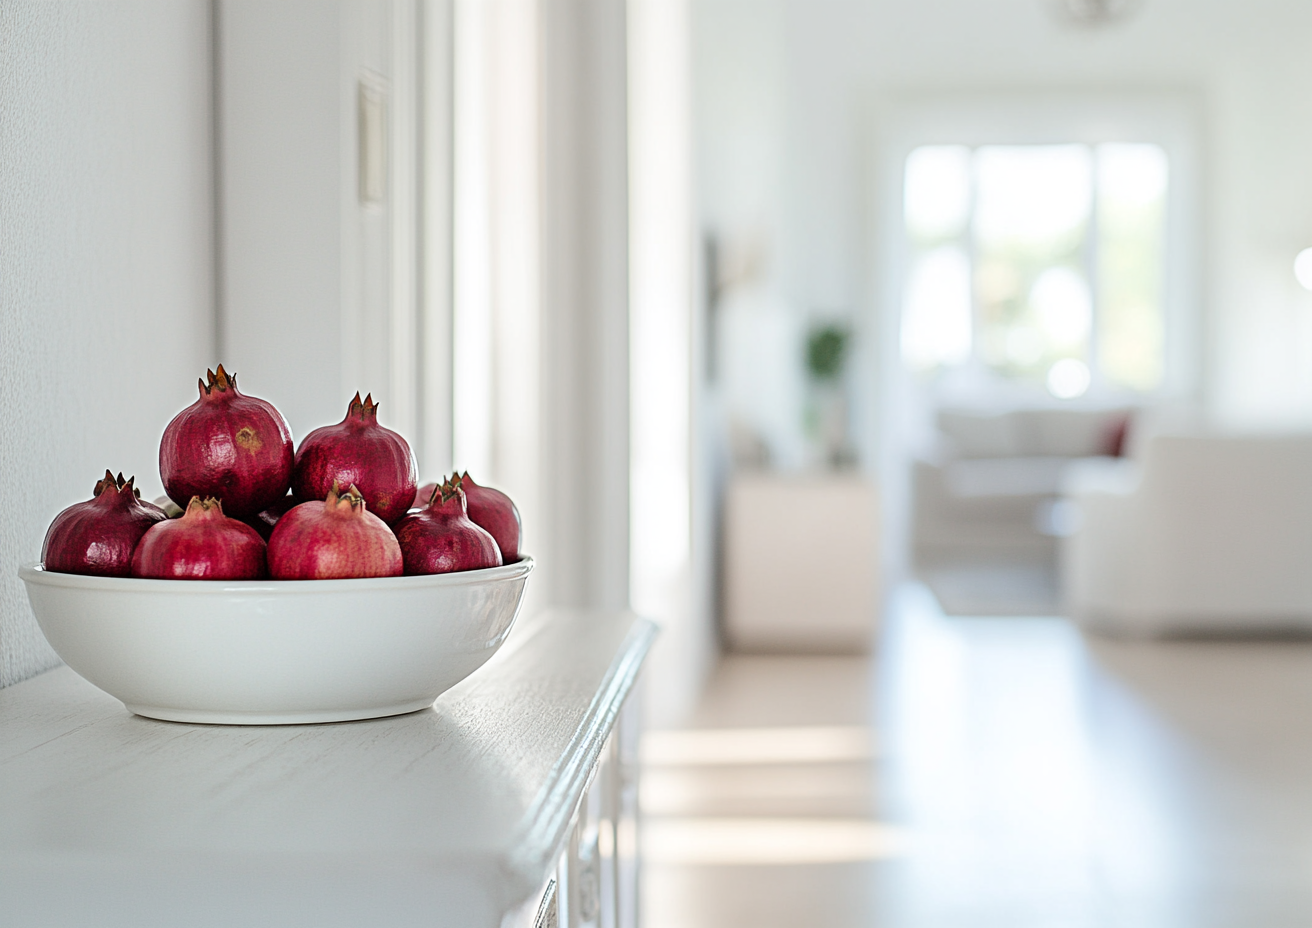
(35, 573)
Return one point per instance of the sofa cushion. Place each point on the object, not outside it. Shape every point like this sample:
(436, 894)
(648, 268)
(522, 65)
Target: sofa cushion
(978, 435)
(1072, 433)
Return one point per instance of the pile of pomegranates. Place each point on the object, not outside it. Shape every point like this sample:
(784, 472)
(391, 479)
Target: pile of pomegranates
(241, 505)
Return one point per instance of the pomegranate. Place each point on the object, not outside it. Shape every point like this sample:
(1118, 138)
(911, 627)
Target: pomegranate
(266, 519)
(358, 452)
(496, 512)
(235, 448)
(442, 538)
(99, 535)
(202, 544)
(333, 539)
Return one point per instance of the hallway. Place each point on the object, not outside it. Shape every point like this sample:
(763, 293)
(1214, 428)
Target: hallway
(988, 771)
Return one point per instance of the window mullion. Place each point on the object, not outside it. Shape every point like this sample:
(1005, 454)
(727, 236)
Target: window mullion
(1091, 258)
(972, 255)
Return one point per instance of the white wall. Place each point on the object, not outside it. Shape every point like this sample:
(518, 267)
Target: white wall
(320, 290)
(670, 524)
(540, 278)
(583, 393)
(811, 79)
(106, 279)
(281, 152)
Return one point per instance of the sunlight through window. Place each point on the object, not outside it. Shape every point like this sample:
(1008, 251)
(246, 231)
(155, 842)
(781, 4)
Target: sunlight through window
(1043, 263)
(1132, 182)
(937, 329)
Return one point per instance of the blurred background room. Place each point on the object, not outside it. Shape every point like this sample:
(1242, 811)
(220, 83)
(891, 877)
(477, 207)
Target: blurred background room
(938, 374)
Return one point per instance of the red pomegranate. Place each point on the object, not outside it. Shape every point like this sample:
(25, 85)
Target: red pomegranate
(333, 539)
(99, 535)
(235, 448)
(496, 512)
(202, 544)
(442, 538)
(358, 452)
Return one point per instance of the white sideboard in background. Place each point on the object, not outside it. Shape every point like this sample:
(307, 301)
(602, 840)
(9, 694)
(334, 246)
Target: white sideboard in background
(801, 562)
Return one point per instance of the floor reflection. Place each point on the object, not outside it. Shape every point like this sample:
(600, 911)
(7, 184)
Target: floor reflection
(989, 771)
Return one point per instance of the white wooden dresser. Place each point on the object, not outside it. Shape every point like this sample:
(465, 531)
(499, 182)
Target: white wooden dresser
(510, 803)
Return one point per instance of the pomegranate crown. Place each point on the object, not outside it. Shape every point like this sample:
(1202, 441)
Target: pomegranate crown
(219, 380)
(117, 484)
(448, 490)
(365, 410)
(346, 501)
(209, 508)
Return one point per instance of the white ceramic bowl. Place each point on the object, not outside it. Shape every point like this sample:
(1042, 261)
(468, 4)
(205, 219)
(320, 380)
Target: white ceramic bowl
(277, 652)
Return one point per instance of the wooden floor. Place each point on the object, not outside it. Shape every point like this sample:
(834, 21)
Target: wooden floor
(986, 772)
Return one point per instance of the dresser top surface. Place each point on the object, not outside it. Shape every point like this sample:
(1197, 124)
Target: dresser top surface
(478, 789)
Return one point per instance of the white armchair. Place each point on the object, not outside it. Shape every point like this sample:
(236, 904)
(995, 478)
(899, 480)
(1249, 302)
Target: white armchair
(1208, 533)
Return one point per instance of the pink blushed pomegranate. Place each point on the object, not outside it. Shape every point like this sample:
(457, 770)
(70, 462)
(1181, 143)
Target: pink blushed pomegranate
(332, 540)
(442, 539)
(202, 544)
(497, 513)
(358, 452)
(99, 535)
(232, 447)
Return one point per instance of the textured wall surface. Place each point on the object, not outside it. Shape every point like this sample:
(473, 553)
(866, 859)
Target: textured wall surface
(106, 274)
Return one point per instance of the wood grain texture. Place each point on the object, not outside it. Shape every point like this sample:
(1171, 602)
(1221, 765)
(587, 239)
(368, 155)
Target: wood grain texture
(447, 816)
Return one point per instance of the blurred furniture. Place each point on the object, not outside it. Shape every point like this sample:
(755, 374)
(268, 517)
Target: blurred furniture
(1208, 533)
(801, 562)
(509, 804)
(987, 489)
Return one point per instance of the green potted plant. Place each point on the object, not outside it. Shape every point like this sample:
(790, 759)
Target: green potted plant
(827, 347)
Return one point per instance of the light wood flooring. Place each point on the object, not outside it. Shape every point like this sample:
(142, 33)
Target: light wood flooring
(985, 772)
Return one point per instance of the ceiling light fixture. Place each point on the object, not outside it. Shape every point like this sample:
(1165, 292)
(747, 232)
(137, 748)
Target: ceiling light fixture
(1303, 267)
(1094, 12)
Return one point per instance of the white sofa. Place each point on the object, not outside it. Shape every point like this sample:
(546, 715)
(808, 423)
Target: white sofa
(985, 490)
(1206, 533)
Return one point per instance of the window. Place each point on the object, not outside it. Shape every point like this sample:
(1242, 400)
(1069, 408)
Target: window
(1043, 263)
